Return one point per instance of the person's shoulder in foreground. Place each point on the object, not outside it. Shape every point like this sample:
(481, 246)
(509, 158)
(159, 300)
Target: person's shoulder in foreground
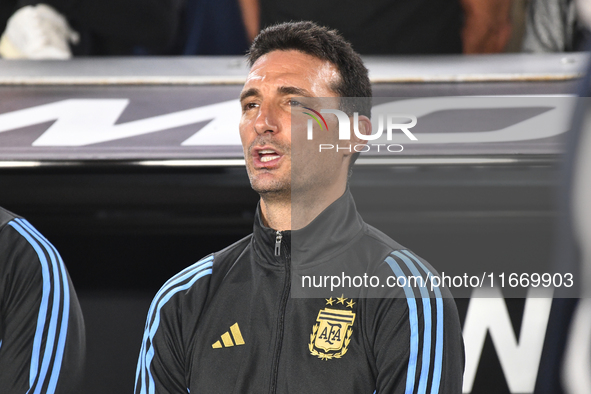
(42, 338)
(239, 320)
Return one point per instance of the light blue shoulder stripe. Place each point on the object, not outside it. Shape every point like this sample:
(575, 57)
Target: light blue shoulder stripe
(172, 286)
(51, 335)
(150, 353)
(43, 308)
(178, 278)
(426, 359)
(61, 343)
(181, 276)
(414, 327)
(438, 363)
(37, 242)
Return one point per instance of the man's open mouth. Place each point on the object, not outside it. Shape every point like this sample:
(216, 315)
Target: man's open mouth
(267, 155)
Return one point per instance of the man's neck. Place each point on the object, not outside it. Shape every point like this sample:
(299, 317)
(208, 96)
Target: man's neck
(299, 208)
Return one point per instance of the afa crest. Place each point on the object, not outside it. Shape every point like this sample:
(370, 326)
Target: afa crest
(331, 334)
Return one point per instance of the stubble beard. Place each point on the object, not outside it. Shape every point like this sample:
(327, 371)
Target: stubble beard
(274, 190)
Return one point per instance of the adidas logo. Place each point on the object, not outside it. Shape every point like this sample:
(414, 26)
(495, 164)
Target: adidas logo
(227, 339)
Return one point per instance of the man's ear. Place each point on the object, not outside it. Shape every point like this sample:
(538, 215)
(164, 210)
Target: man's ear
(364, 127)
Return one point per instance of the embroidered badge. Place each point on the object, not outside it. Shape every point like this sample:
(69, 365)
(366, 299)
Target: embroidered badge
(331, 334)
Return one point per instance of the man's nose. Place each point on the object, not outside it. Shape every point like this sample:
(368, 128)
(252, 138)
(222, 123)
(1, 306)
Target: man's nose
(267, 120)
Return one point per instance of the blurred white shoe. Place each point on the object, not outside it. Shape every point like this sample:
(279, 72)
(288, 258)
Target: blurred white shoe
(37, 32)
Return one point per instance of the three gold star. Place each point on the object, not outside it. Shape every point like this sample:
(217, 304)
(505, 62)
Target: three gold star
(340, 300)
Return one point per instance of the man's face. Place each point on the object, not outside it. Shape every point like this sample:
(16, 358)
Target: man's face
(267, 101)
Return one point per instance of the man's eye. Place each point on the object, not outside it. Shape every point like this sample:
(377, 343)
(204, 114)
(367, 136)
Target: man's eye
(295, 103)
(248, 106)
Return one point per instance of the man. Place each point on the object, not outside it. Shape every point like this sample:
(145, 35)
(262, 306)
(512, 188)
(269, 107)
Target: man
(42, 339)
(231, 322)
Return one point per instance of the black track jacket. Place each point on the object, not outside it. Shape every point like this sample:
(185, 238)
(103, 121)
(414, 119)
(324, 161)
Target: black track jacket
(230, 322)
(42, 337)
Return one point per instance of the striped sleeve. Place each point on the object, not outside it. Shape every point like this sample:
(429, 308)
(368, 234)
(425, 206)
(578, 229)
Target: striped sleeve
(160, 367)
(419, 346)
(42, 328)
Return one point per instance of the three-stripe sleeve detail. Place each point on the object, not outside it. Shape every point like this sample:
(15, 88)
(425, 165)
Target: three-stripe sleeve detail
(144, 381)
(438, 362)
(52, 320)
(426, 356)
(430, 373)
(414, 327)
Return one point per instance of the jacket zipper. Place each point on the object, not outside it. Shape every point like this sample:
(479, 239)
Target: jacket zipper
(283, 305)
(278, 238)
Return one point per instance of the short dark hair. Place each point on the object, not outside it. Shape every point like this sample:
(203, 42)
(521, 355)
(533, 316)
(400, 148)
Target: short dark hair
(325, 44)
